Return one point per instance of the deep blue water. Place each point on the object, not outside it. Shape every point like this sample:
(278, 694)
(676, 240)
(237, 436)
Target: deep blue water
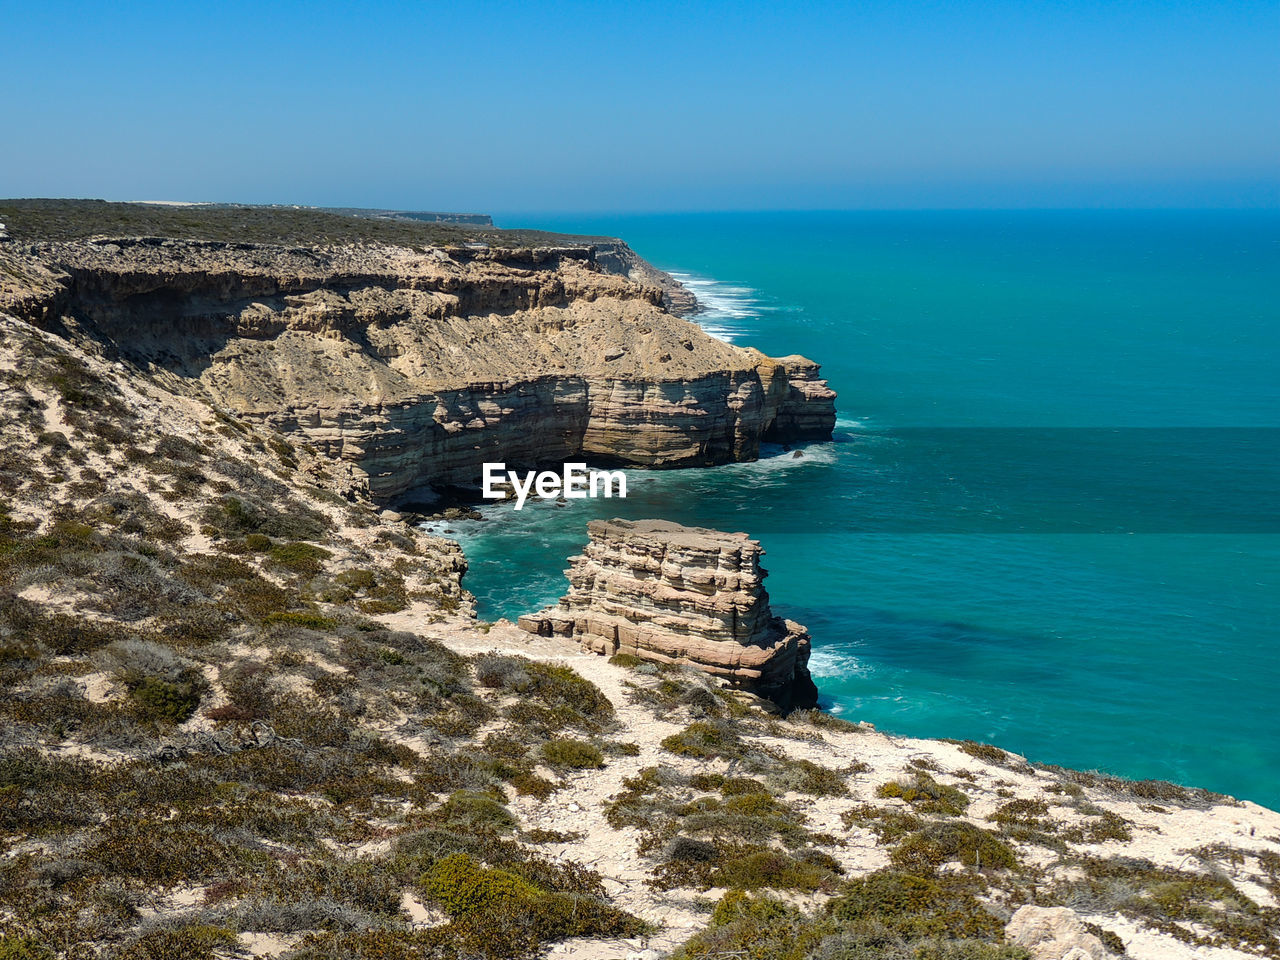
(1049, 519)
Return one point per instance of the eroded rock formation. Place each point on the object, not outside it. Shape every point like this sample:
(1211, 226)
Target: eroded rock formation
(418, 365)
(674, 594)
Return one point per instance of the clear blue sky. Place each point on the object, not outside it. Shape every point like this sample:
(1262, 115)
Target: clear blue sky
(524, 107)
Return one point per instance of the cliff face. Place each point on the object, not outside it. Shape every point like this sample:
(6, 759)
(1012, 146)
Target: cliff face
(673, 594)
(417, 366)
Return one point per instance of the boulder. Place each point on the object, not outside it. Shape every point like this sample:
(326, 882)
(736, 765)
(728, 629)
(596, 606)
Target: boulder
(1053, 933)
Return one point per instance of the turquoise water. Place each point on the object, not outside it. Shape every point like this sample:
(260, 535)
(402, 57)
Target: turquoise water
(1049, 517)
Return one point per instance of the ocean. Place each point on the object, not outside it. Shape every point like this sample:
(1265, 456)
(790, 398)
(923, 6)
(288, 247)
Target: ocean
(1048, 519)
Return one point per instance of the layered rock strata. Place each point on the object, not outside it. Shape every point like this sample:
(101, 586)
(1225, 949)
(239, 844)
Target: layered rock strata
(416, 366)
(674, 594)
(808, 410)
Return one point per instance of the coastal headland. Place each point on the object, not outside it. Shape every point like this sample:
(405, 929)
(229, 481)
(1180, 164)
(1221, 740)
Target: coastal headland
(245, 709)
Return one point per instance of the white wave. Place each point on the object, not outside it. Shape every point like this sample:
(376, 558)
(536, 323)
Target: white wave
(724, 305)
(835, 664)
(774, 458)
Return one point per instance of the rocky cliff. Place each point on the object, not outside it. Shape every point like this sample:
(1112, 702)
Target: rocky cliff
(667, 593)
(243, 715)
(416, 365)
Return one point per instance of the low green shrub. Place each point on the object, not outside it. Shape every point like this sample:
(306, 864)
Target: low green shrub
(504, 914)
(1201, 909)
(572, 755)
(916, 906)
(237, 516)
(805, 776)
(926, 795)
(165, 702)
(771, 869)
(953, 841)
(23, 948)
(193, 942)
(1106, 826)
(299, 557)
(469, 810)
(704, 740)
(307, 619)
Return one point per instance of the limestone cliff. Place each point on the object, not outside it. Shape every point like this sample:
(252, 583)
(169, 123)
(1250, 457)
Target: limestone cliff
(673, 594)
(416, 365)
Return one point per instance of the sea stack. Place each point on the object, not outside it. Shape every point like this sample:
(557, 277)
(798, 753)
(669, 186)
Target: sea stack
(667, 593)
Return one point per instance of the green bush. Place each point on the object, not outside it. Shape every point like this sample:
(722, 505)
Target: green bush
(1023, 812)
(194, 942)
(301, 618)
(572, 755)
(926, 795)
(165, 702)
(738, 905)
(916, 906)
(1108, 825)
(954, 841)
(703, 740)
(464, 889)
(237, 516)
(626, 660)
(299, 557)
(504, 914)
(805, 776)
(561, 686)
(730, 786)
(23, 948)
(1202, 909)
(469, 810)
(984, 752)
(771, 869)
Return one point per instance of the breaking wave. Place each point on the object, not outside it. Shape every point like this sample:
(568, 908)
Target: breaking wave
(724, 305)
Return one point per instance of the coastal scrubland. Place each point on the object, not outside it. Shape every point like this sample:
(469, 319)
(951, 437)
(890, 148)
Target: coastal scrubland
(56, 220)
(244, 711)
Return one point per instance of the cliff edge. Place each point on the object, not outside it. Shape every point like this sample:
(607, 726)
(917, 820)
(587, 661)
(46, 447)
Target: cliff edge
(416, 362)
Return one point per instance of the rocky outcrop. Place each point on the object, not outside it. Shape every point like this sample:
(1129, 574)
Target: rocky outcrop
(1054, 933)
(416, 366)
(673, 594)
(614, 256)
(807, 410)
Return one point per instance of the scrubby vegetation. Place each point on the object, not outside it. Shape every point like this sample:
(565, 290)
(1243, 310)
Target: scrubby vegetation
(887, 915)
(926, 795)
(214, 711)
(1202, 909)
(79, 219)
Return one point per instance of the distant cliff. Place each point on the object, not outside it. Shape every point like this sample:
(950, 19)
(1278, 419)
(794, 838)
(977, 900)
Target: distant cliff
(426, 216)
(418, 364)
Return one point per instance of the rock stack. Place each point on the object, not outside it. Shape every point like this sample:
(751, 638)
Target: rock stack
(673, 594)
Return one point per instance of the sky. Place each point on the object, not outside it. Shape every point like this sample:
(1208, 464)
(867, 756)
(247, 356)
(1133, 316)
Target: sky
(632, 107)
